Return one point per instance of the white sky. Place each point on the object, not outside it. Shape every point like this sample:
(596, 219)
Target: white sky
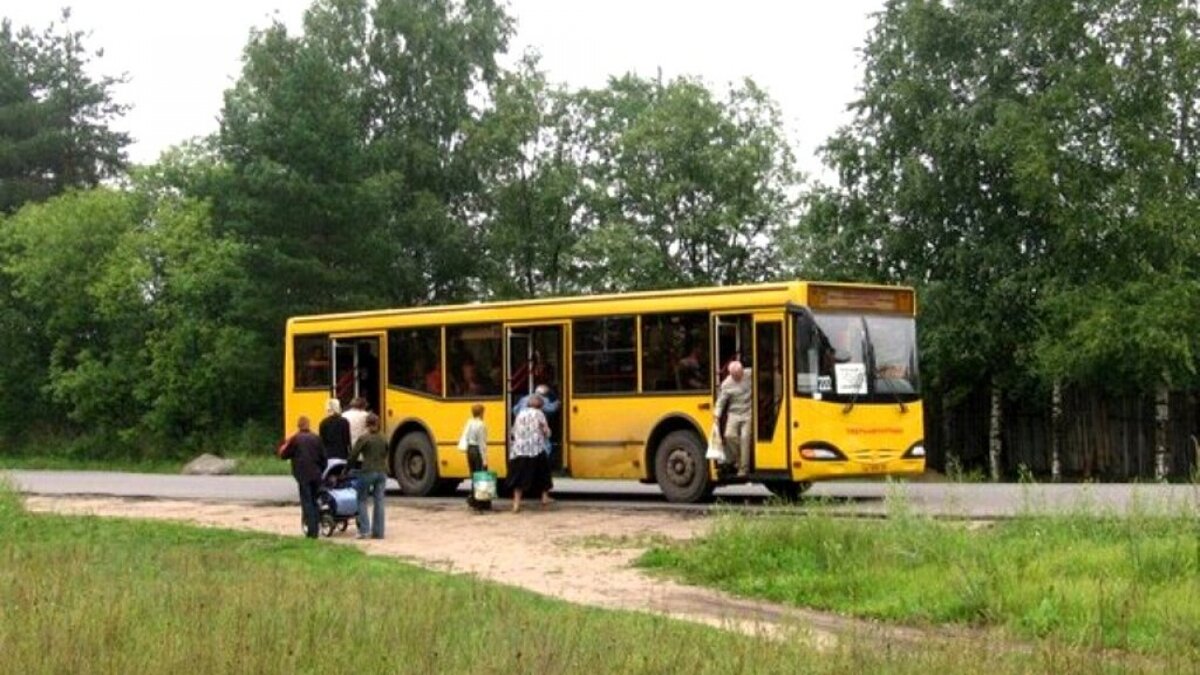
(181, 56)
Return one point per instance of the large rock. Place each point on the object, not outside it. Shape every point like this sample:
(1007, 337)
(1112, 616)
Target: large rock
(210, 465)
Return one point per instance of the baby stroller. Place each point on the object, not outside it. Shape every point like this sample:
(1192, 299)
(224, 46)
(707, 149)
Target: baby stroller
(337, 499)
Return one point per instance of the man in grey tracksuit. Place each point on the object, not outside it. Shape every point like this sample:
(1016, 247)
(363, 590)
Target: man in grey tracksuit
(735, 399)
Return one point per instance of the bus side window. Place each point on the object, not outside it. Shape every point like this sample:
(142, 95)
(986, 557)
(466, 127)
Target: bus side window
(605, 356)
(310, 354)
(415, 359)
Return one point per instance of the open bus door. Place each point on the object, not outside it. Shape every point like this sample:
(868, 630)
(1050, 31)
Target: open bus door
(536, 357)
(758, 341)
(357, 369)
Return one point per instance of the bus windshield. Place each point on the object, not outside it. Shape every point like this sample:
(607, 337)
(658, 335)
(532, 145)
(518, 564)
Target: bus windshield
(847, 356)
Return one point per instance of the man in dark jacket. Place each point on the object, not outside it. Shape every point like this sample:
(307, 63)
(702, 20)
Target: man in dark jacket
(307, 453)
(335, 431)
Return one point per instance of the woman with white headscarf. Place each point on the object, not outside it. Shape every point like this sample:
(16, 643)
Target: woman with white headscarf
(335, 431)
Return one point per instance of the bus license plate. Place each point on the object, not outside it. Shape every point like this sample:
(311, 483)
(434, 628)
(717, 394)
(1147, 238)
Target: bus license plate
(875, 468)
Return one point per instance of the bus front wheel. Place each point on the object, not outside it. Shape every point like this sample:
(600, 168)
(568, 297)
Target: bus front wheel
(681, 469)
(415, 465)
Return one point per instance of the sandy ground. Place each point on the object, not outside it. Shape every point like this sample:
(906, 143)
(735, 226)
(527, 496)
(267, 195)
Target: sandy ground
(579, 555)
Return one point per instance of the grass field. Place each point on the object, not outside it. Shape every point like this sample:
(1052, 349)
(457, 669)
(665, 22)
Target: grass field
(1122, 583)
(248, 464)
(87, 595)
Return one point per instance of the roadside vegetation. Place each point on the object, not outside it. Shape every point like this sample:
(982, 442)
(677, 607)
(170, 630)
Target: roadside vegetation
(252, 446)
(1126, 583)
(262, 464)
(91, 595)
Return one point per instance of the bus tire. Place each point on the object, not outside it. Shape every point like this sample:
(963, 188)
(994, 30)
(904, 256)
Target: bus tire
(415, 465)
(681, 469)
(787, 490)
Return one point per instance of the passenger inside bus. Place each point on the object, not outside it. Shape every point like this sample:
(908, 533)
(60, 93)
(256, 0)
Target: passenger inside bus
(690, 371)
(316, 368)
(368, 374)
(467, 383)
(433, 380)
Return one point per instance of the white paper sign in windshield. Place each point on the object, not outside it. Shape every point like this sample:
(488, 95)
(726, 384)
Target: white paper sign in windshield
(851, 378)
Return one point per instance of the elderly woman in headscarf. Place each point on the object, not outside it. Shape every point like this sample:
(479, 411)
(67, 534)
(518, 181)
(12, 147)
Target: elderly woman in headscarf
(528, 470)
(335, 431)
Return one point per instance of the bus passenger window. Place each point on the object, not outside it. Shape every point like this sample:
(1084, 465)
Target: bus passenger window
(474, 361)
(311, 356)
(604, 358)
(675, 352)
(415, 359)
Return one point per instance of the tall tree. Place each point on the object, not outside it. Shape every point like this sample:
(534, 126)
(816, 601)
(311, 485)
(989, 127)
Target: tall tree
(690, 188)
(532, 202)
(345, 149)
(55, 117)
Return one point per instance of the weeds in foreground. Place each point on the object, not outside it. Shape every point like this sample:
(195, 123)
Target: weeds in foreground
(1129, 583)
(109, 596)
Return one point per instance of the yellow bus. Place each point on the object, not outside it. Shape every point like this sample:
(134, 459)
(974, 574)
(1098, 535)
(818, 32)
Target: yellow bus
(833, 369)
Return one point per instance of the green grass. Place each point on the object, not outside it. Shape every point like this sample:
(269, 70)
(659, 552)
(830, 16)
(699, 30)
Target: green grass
(1125, 583)
(253, 445)
(89, 595)
(258, 464)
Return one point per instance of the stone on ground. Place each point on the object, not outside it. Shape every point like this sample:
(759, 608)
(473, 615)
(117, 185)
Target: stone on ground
(210, 465)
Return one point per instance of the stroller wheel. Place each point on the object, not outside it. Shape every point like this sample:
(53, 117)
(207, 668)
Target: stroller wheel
(327, 526)
(343, 525)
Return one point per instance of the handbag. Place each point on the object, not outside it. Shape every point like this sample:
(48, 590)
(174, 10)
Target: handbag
(716, 448)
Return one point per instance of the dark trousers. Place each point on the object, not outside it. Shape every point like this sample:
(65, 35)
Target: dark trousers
(475, 463)
(308, 507)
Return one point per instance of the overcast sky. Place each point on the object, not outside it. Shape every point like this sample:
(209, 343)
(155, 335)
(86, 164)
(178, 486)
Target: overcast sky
(181, 56)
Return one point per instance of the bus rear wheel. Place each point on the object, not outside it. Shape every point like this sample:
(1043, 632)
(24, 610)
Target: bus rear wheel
(787, 490)
(681, 469)
(415, 465)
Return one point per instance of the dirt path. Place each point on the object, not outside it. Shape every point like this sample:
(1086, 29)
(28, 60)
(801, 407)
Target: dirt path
(582, 556)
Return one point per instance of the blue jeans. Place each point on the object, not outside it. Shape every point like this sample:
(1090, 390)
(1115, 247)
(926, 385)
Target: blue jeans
(308, 507)
(375, 483)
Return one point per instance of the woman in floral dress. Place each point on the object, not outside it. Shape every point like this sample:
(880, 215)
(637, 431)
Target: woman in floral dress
(528, 473)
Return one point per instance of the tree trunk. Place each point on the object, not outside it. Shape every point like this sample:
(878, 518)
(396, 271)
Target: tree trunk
(1056, 432)
(950, 457)
(994, 430)
(1162, 417)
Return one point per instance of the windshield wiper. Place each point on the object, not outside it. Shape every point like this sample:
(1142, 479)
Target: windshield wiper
(896, 395)
(873, 366)
(868, 366)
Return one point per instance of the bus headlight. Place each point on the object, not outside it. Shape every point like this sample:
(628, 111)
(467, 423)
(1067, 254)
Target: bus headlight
(917, 451)
(821, 452)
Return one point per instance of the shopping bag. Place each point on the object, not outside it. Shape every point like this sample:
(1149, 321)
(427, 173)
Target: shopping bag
(483, 486)
(716, 449)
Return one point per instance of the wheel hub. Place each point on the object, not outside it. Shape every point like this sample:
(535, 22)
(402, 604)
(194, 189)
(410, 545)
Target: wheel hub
(681, 468)
(415, 465)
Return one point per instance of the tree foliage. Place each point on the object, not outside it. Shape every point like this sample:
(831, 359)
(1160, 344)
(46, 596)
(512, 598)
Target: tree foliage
(345, 148)
(55, 118)
(144, 312)
(689, 188)
(1030, 165)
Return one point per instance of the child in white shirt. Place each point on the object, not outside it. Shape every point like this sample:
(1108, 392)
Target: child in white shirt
(474, 443)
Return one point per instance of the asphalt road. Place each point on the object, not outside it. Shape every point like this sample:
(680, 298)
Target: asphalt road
(859, 498)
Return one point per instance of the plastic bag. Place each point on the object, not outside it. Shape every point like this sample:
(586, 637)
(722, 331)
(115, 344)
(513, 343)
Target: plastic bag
(483, 486)
(716, 448)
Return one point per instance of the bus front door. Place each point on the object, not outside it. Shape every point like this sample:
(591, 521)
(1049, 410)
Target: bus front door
(770, 401)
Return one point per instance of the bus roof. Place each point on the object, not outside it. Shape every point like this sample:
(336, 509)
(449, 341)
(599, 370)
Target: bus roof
(714, 297)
